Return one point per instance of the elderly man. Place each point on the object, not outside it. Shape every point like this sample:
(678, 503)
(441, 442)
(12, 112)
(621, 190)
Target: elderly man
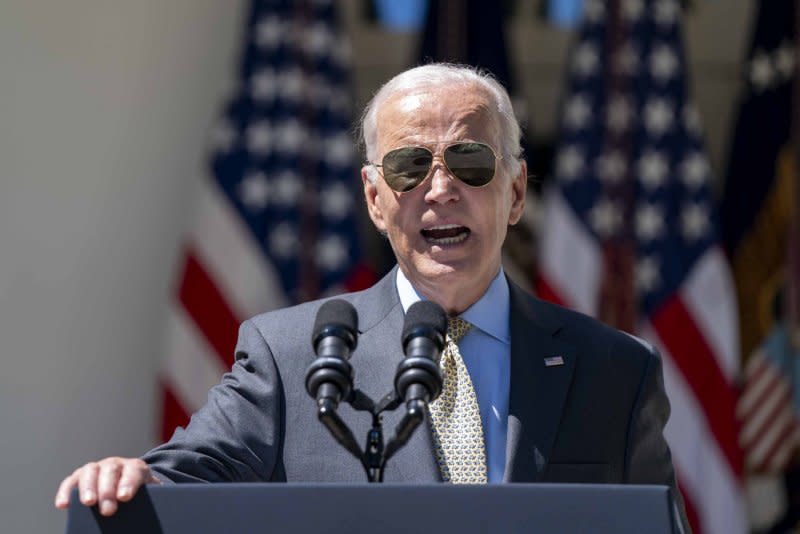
(554, 395)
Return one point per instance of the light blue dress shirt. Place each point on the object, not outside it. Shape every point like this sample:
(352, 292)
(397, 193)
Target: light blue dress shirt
(486, 350)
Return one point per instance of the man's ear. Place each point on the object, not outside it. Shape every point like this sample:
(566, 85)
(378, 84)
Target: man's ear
(371, 197)
(519, 187)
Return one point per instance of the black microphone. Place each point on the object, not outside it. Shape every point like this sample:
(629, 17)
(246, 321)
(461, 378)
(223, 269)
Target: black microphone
(330, 376)
(418, 376)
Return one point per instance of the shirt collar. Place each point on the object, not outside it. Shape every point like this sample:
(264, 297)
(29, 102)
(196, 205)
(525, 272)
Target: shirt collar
(490, 313)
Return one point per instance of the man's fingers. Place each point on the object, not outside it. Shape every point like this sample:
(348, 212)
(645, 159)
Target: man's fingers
(87, 483)
(134, 474)
(107, 481)
(64, 489)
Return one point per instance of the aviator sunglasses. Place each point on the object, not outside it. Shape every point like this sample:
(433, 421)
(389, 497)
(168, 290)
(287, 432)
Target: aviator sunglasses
(406, 167)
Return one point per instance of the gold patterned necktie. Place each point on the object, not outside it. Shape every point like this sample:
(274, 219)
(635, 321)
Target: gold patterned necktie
(455, 416)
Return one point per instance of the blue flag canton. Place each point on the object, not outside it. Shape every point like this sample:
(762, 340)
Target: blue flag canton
(631, 163)
(283, 153)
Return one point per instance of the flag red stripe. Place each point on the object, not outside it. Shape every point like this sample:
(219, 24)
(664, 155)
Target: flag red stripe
(702, 372)
(208, 308)
(769, 420)
(765, 381)
(173, 413)
(545, 292)
(770, 457)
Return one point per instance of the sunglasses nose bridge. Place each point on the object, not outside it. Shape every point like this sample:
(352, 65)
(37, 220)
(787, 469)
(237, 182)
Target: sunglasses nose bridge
(441, 182)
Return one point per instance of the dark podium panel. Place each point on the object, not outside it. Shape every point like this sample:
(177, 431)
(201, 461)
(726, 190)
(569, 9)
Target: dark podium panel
(384, 509)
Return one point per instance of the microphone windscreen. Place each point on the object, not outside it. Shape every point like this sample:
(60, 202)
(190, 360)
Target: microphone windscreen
(425, 313)
(336, 313)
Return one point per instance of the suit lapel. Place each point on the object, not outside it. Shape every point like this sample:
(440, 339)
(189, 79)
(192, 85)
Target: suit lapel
(381, 318)
(538, 391)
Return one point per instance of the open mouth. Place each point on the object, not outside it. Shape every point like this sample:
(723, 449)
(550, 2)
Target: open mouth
(446, 234)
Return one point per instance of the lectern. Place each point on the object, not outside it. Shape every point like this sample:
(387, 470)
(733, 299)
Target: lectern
(384, 509)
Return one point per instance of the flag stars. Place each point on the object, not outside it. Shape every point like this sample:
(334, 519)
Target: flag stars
(658, 116)
(761, 74)
(269, 32)
(647, 274)
(663, 63)
(586, 60)
(259, 138)
(632, 10)
(339, 150)
(254, 191)
(287, 188)
(691, 120)
(290, 136)
(695, 171)
(320, 39)
(649, 222)
(653, 168)
(605, 218)
(332, 252)
(578, 112)
(666, 12)
(694, 222)
(291, 85)
(594, 11)
(263, 85)
(611, 167)
(223, 136)
(768, 70)
(283, 241)
(336, 201)
(569, 163)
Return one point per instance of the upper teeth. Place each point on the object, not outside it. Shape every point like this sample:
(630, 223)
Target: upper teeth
(445, 227)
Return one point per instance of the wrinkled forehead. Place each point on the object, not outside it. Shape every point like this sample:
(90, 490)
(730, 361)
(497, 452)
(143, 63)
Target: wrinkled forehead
(431, 115)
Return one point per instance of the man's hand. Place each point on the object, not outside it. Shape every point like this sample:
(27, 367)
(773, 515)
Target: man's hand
(106, 482)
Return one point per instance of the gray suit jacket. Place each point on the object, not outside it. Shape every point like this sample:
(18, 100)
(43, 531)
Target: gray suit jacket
(597, 418)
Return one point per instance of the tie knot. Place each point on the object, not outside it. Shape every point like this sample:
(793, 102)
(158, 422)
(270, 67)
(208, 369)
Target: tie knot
(456, 328)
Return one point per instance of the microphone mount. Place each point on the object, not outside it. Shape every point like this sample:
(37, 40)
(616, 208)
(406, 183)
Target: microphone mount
(418, 381)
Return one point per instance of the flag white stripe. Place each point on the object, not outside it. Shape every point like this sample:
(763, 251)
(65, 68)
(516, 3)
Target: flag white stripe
(777, 427)
(706, 476)
(756, 389)
(570, 259)
(757, 420)
(231, 257)
(191, 367)
(709, 295)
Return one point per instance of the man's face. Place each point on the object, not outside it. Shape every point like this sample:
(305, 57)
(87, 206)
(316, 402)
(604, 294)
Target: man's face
(445, 234)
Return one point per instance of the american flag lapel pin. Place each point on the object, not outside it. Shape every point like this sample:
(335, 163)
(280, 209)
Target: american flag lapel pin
(553, 361)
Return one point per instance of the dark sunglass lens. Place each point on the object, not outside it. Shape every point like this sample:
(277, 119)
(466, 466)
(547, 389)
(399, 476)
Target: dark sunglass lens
(472, 163)
(405, 168)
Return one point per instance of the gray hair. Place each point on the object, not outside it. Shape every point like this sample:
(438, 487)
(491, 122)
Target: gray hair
(436, 75)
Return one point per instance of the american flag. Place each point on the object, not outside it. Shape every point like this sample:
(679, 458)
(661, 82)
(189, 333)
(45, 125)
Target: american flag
(631, 236)
(277, 217)
(756, 217)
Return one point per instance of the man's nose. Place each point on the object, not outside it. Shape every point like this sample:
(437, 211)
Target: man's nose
(443, 187)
